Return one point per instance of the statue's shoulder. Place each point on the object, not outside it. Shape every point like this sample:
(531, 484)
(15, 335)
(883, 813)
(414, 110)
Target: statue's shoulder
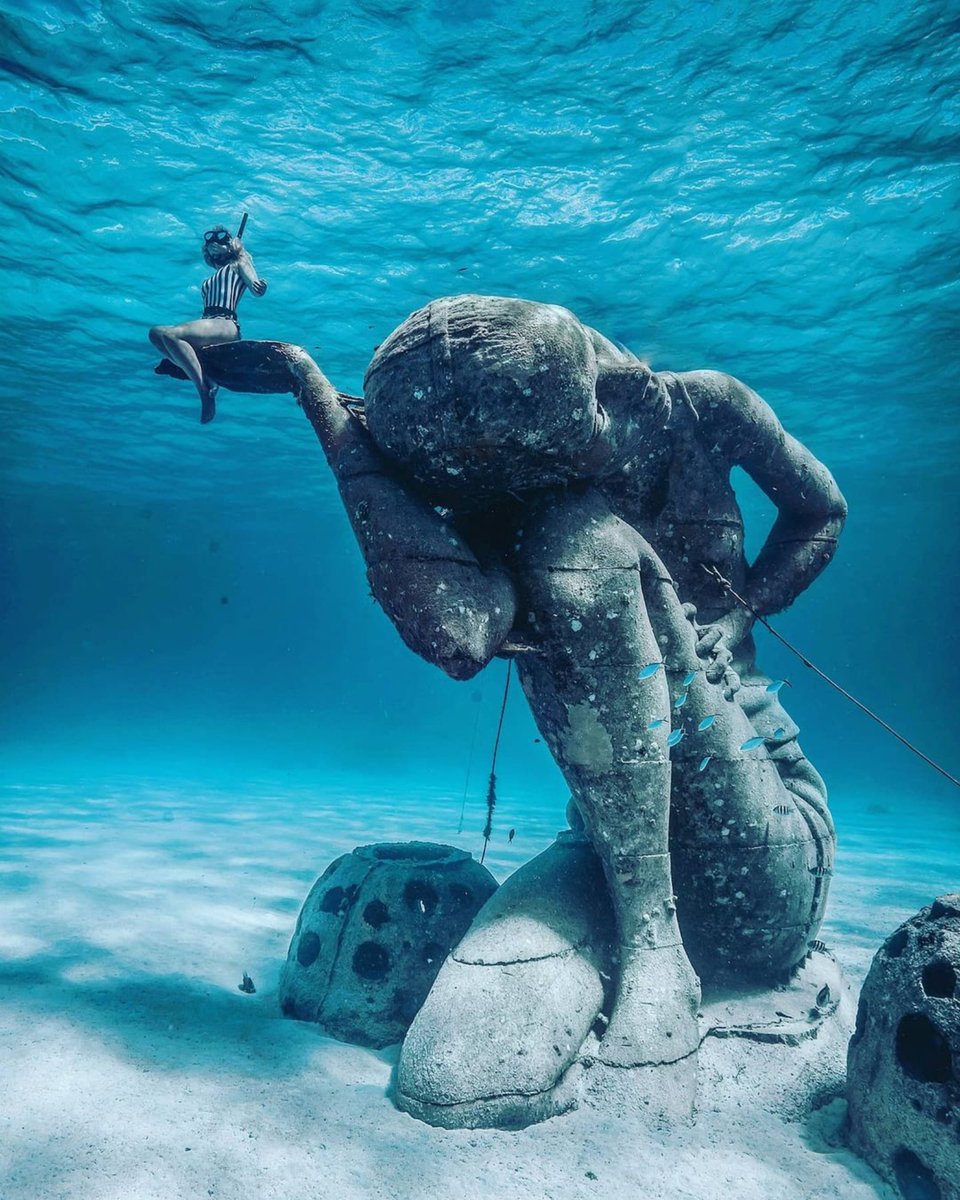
(725, 409)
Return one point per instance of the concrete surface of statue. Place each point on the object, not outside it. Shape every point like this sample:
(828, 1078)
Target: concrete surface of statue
(520, 473)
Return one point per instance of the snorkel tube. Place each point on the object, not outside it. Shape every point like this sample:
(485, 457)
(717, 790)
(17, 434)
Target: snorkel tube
(243, 225)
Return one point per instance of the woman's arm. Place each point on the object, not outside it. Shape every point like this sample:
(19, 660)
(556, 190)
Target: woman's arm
(247, 270)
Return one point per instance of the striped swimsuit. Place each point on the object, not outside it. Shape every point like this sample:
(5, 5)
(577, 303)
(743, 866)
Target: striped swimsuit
(221, 293)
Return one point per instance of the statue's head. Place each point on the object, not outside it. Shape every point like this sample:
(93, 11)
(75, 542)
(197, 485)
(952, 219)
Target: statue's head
(476, 396)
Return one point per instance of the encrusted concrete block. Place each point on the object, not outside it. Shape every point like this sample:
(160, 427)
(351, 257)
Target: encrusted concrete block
(903, 1065)
(373, 933)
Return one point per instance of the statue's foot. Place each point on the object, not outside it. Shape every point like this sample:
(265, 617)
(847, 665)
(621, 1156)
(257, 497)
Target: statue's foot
(646, 1063)
(208, 404)
(654, 1018)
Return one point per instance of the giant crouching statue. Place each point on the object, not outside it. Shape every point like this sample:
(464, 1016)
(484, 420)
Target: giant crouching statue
(516, 477)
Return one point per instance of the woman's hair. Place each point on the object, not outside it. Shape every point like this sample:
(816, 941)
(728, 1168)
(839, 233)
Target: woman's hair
(217, 248)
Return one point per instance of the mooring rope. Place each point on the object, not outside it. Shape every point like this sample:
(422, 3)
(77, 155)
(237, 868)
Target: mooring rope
(728, 587)
(492, 783)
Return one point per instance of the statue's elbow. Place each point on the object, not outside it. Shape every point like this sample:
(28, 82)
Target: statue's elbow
(837, 516)
(451, 614)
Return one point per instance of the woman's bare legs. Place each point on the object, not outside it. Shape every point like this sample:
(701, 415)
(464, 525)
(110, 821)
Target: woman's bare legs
(180, 342)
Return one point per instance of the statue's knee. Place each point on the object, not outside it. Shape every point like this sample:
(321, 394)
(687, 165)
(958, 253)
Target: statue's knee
(805, 783)
(575, 531)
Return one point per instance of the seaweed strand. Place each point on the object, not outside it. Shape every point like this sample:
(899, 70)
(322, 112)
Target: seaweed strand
(492, 782)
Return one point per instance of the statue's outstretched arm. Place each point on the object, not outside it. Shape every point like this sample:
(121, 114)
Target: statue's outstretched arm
(736, 423)
(448, 608)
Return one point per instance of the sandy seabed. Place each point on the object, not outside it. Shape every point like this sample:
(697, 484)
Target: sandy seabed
(134, 1069)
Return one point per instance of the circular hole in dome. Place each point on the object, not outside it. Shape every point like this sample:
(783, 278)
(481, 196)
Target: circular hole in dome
(405, 1006)
(896, 943)
(461, 897)
(371, 961)
(376, 914)
(916, 1180)
(421, 897)
(333, 900)
(923, 1051)
(433, 955)
(308, 950)
(939, 979)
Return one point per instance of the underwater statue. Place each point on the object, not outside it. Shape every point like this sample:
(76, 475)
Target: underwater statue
(518, 484)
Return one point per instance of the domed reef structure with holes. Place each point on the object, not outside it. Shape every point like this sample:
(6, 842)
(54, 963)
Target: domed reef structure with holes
(903, 1066)
(373, 933)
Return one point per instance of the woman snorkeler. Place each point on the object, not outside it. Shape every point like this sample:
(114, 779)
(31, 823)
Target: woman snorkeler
(234, 272)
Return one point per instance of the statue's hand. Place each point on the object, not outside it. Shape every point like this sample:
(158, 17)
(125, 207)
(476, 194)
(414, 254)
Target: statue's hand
(259, 287)
(716, 643)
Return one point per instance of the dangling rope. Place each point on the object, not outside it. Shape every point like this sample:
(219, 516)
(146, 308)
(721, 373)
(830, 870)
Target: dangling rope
(492, 782)
(728, 587)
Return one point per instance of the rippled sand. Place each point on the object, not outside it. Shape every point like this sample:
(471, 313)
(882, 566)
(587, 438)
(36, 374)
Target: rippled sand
(134, 1068)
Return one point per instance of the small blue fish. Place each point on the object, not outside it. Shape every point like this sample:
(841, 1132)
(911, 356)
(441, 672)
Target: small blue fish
(649, 670)
(704, 761)
(674, 737)
(778, 732)
(680, 701)
(753, 743)
(689, 678)
(776, 685)
(657, 723)
(706, 722)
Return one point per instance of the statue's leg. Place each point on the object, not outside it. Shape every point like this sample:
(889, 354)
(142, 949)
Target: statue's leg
(578, 573)
(752, 855)
(772, 722)
(503, 1036)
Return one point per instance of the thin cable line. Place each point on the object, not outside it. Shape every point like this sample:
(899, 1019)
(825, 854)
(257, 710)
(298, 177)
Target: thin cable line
(728, 587)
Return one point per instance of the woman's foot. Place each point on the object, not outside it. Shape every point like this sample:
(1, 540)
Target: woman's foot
(208, 404)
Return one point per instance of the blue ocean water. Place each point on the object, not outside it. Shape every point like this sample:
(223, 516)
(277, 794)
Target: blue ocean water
(770, 191)
(191, 662)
